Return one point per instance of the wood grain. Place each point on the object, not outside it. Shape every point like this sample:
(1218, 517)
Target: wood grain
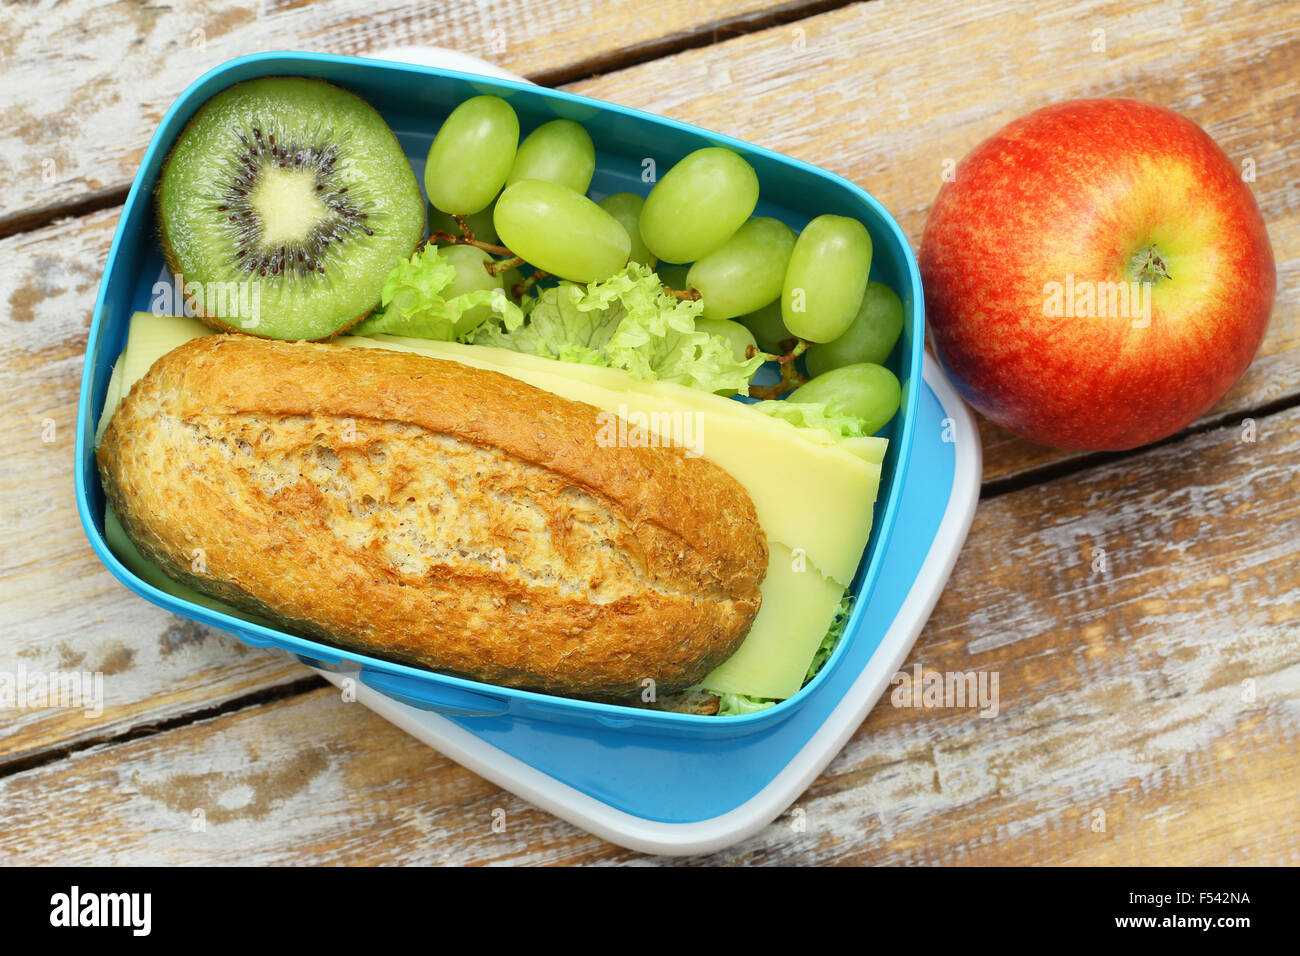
(63, 612)
(886, 100)
(801, 88)
(1122, 691)
(86, 83)
(1162, 690)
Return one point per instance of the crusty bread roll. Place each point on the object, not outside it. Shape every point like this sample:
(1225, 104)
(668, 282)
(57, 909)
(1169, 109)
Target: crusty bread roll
(435, 514)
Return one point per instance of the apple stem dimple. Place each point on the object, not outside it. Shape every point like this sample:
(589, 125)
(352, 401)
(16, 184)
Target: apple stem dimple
(1149, 265)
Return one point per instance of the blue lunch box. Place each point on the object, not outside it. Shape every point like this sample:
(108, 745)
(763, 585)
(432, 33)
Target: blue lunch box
(414, 100)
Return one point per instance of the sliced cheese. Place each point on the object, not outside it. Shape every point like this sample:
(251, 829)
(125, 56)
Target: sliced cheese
(148, 338)
(112, 398)
(870, 449)
(799, 604)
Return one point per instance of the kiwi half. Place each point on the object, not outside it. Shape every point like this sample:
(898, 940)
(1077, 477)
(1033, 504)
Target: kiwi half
(297, 188)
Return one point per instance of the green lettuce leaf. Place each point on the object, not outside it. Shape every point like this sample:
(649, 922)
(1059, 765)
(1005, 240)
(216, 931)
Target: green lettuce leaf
(411, 302)
(627, 322)
(731, 705)
(832, 638)
(828, 418)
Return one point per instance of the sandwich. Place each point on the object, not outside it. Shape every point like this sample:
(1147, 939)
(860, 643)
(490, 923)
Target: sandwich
(433, 513)
(356, 492)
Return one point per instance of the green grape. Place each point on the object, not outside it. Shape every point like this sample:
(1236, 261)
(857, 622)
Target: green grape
(826, 278)
(870, 338)
(559, 152)
(768, 328)
(626, 208)
(698, 204)
(561, 231)
(480, 223)
(672, 276)
(509, 279)
(471, 155)
(746, 272)
(736, 335)
(869, 392)
(468, 261)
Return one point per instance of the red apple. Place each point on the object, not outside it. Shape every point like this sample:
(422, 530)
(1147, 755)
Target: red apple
(1097, 274)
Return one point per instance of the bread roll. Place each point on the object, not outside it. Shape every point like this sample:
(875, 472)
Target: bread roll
(430, 513)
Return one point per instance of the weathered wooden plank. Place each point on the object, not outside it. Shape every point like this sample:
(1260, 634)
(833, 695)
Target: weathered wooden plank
(1148, 707)
(1126, 684)
(1142, 619)
(48, 280)
(858, 90)
(86, 83)
(266, 780)
(62, 611)
(886, 99)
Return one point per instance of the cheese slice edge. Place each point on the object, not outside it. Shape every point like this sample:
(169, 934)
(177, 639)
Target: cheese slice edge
(813, 554)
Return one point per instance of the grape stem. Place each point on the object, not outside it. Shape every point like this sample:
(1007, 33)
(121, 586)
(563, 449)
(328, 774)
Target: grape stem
(791, 378)
(466, 238)
(469, 240)
(519, 288)
(496, 268)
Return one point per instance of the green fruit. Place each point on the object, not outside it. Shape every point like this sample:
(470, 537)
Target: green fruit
(471, 276)
(560, 151)
(734, 334)
(746, 272)
(480, 223)
(509, 279)
(698, 204)
(867, 391)
(293, 198)
(560, 231)
(626, 208)
(826, 278)
(471, 155)
(768, 328)
(870, 338)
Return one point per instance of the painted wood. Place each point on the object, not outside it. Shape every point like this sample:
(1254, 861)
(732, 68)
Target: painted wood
(800, 88)
(62, 610)
(1123, 691)
(886, 99)
(86, 83)
(1147, 713)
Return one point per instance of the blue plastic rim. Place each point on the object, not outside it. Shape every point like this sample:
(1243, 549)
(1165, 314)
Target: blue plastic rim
(414, 100)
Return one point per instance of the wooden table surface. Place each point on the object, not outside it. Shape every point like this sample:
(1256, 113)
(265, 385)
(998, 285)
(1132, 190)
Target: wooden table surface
(1142, 610)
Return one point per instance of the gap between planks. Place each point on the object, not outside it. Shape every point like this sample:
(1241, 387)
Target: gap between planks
(693, 39)
(625, 58)
(40, 757)
(994, 488)
(1066, 467)
(23, 762)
